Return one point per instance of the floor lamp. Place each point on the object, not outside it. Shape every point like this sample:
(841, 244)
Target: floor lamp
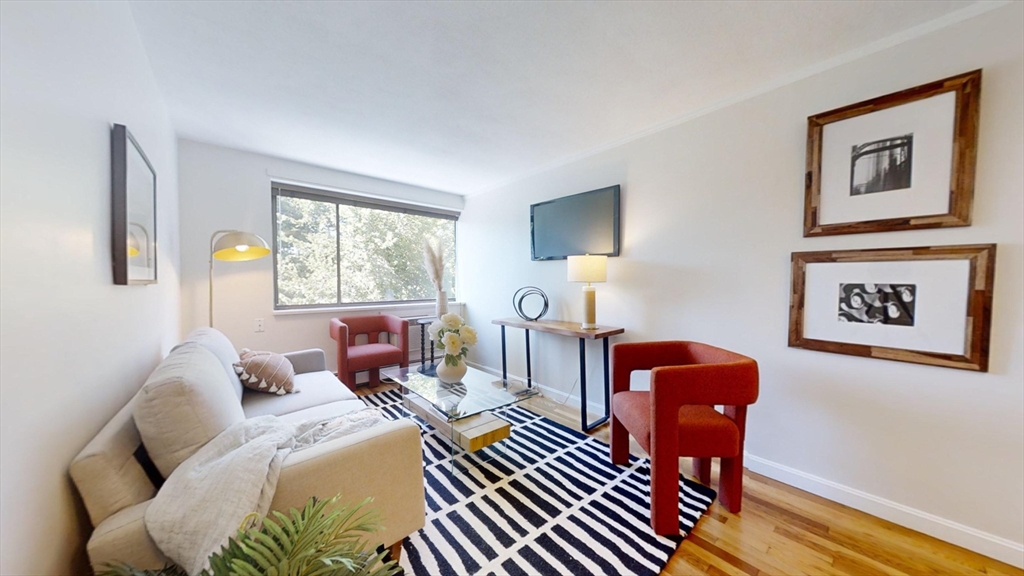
(234, 246)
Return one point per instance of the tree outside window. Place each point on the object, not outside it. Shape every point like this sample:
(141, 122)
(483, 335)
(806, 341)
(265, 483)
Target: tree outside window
(329, 253)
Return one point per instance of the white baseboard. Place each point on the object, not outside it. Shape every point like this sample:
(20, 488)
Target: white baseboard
(549, 392)
(981, 542)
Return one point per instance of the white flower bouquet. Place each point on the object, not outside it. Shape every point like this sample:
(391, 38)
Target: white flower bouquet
(454, 335)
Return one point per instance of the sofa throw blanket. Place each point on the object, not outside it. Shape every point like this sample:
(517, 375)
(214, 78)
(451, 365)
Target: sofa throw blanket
(203, 502)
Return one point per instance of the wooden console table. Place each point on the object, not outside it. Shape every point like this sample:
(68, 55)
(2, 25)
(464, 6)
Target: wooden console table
(573, 330)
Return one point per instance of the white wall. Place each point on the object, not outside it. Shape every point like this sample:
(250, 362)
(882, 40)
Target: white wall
(712, 209)
(74, 346)
(223, 188)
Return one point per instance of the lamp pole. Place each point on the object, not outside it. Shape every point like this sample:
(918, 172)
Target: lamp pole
(213, 237)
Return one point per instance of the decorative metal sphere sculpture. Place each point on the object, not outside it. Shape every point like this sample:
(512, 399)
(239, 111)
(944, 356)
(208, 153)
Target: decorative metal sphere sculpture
(521, 294)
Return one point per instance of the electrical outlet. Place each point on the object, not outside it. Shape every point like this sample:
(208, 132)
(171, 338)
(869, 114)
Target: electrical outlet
(257, 325)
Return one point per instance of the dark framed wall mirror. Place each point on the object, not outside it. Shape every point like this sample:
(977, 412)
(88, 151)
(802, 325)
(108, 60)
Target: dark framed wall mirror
(133, 204)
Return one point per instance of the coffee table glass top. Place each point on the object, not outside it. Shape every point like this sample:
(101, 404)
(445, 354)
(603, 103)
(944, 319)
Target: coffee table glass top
(478, 392)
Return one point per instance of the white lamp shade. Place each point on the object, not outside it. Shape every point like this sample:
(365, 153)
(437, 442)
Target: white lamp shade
(588, 268)
(239, 246)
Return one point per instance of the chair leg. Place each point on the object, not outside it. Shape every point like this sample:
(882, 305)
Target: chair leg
(730, 483)
(374, 377)
(702, 470)
(395, 551)
(351, 382)
(619, 443)
(665, 496)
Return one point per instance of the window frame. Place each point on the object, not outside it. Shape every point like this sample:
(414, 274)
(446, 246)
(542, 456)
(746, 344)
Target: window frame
(349, 198)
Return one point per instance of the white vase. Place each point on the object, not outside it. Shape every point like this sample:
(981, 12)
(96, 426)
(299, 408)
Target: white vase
(442, 304)
(451, 374)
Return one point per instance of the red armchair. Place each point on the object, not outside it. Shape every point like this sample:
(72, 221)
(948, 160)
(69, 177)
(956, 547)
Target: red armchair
(373, 355)
(677, 418)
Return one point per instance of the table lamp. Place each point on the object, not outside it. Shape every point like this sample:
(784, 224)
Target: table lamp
(234, 246)
(588, 269)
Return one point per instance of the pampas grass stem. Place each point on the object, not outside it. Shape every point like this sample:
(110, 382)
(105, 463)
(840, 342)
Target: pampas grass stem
(433, 261)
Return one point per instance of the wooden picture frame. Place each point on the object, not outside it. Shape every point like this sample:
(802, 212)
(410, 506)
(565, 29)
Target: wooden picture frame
(967, 90)
(133, 210)
(976, 326)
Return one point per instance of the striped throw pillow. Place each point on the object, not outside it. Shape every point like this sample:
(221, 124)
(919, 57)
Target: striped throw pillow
(266, 372)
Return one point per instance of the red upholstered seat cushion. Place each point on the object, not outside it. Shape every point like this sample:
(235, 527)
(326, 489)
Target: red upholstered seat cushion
(366, 356)
(703, 431)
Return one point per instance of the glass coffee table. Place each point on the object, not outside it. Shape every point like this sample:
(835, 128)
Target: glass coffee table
(464, 412)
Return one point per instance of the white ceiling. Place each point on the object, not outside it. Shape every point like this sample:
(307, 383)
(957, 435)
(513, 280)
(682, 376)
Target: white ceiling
(464, 96)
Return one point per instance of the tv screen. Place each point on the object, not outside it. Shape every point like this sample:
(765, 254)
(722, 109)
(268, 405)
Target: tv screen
(586, 223)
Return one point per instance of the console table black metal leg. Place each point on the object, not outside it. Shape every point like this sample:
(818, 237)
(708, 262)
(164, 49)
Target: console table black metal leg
(504, 367)
(607, 384)
(583, 385)
(588, 426)
(529, 373)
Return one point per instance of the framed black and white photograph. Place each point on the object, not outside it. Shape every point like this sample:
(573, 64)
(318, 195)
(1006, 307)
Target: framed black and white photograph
(882, 166)
(929, 305)
(898, 162)
(868, 303)
(133, 210)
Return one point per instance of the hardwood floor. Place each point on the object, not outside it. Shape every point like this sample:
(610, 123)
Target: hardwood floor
(786, 531)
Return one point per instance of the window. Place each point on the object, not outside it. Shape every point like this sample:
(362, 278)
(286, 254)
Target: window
(333, 249)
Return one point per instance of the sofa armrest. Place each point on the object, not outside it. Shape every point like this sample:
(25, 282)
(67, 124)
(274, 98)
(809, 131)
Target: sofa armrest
(384, 462)
(304, 361)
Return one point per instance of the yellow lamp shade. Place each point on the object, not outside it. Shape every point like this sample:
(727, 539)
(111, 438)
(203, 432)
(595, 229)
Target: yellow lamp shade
(239, 246)
(588, 268)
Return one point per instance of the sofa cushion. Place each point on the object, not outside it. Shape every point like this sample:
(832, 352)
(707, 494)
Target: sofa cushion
(266, 372)
(317, 388)
(123, 538)
(216, 342)
(184, 404)
(106, 473)
(324, 411)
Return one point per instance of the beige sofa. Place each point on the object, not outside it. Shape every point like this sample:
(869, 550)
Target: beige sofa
(384, 462)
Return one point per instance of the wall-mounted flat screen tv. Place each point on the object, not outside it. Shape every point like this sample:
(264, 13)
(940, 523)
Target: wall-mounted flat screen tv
(586, 223)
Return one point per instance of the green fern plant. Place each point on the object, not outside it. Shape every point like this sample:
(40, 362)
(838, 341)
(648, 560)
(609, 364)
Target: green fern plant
(314, 541)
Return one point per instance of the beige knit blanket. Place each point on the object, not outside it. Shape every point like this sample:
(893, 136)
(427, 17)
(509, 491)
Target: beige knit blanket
(208, 495)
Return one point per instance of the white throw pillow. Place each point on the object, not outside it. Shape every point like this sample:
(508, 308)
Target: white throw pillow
(184, 404)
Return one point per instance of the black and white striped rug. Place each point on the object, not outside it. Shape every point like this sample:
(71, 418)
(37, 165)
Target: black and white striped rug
(550, 502)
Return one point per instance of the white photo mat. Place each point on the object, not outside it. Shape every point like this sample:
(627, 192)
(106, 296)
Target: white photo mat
(940, 310)
(931, 122)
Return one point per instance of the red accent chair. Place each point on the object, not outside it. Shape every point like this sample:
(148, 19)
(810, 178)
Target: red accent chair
(677, 418)
(373, 355)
